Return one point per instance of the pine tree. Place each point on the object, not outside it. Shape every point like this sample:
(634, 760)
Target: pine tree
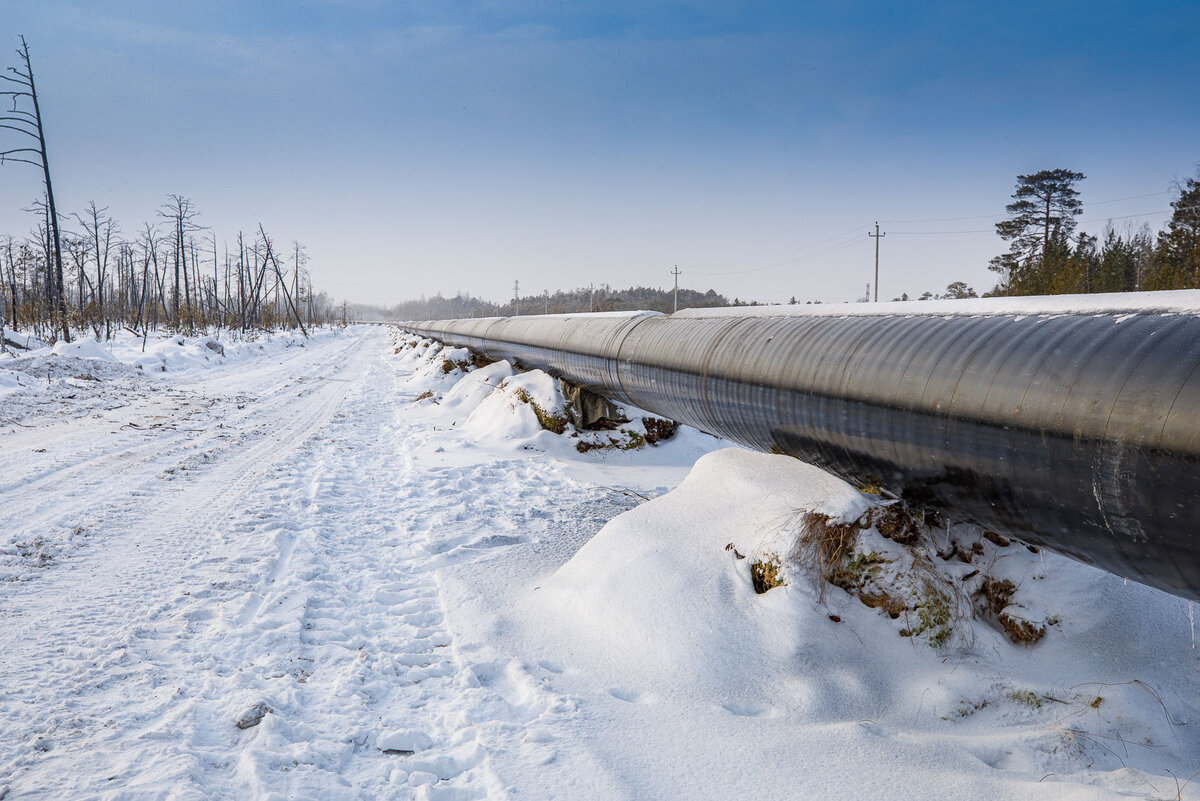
(1044, 204)
(959, 290)
(1178, 255)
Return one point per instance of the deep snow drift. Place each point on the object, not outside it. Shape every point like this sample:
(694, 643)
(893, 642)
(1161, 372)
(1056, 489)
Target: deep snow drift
(360, 566)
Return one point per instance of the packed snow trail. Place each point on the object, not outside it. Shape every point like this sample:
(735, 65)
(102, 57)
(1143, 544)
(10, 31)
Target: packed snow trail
(264, 564)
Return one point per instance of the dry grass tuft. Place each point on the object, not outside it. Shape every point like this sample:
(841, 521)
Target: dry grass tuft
(1021, 631)
(998, 540)
(825, 546)
(896, 523)
(997, 598)
(766, 574)
(658, 429)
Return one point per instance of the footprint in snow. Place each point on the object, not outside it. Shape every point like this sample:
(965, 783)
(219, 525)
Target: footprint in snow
(750, 710)
(631, 696)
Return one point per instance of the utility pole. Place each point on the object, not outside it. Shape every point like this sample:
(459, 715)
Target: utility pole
(546, 302)
(591, 297)
(516, 298)
(675, 273)
(877, 236)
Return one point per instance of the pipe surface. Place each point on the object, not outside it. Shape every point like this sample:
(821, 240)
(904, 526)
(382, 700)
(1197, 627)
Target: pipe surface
(1077, 430)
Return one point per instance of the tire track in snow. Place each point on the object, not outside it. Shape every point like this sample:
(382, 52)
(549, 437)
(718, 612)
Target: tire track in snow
(289, 583)
(341, 637)
(77, 648)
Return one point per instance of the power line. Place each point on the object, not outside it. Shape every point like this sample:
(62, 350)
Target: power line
(1079, 222)
(853, 230)
(993, 216)
(1131, 197)
(795, 260)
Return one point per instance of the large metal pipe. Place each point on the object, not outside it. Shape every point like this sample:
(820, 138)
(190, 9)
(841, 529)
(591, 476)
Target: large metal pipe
(1072, 424)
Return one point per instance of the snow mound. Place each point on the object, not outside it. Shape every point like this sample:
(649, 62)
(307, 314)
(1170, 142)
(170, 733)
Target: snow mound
(659, 576)
(661, 606)
(84, 349)
(521, 407)
(470, 390)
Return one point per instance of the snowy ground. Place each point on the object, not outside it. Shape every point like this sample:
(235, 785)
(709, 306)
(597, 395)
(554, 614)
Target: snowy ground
(345, 568)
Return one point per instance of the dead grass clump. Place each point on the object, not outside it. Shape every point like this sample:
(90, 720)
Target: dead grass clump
(426, 395)
(882, 600)
(766, 574)
(479, 360)
(897, 523)
(449, 365)
(658, 429)
(859, 576)
(625, 439)
(933, 607)
(825, 546)
(997, 539)
(997, 594)
(1021, 631)
(997, 598)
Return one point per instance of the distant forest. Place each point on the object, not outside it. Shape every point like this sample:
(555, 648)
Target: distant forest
(585, 299)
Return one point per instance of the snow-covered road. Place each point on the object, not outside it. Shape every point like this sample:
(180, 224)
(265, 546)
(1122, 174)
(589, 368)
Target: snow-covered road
(346, 568)
(246, 541)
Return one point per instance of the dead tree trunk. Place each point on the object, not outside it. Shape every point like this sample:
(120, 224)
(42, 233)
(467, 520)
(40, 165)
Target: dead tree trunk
(29, 123)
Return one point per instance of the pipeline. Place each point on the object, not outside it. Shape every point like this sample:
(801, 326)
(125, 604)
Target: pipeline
(1072, 424)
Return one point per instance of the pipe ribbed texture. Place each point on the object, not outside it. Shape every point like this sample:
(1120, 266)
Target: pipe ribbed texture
(1077, 431)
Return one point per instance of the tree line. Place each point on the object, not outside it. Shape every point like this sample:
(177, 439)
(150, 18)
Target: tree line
(171, 274)
(600, 298)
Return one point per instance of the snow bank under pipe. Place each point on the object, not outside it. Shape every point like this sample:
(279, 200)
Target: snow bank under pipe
(1071, 423)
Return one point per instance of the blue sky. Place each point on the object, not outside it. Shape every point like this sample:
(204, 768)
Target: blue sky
(417, 147)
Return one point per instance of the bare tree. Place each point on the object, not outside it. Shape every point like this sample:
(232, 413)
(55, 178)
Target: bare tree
(281, 283)
(29, 123)
(99, 231)
(179, 211)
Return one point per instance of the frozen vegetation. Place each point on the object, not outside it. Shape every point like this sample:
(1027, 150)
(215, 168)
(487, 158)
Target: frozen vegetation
(363, 565)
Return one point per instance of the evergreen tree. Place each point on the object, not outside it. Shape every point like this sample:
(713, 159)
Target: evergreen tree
(1178, 255)
(1117, 263)
(1044, 203)
(958, 290)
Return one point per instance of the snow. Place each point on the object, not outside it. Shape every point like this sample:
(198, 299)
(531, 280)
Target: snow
(84, 349)
(1183, 301)
(334, 568)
